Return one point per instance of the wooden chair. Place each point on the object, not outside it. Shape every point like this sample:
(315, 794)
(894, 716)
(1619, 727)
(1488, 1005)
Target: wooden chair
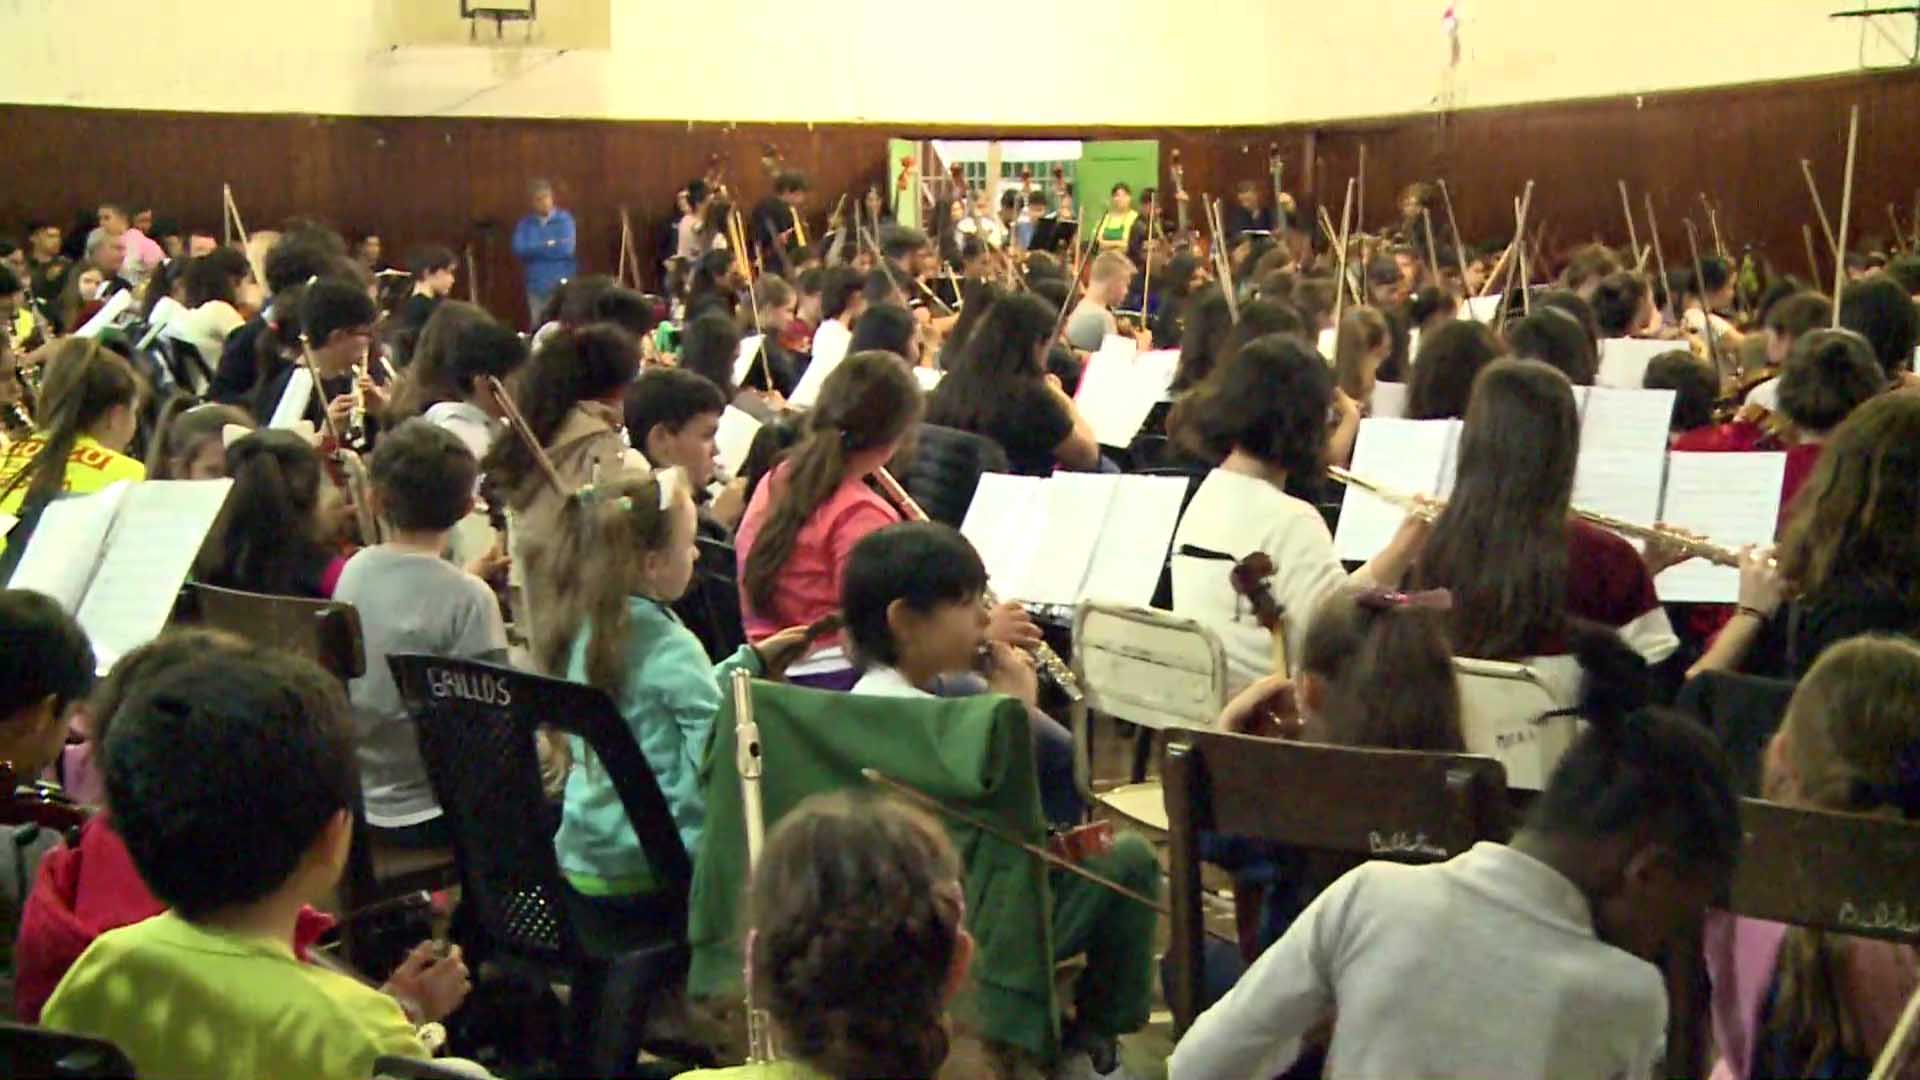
(1151, 668)
(328, 633)
(1510, 712)
(1844, 873)
(1416, 807)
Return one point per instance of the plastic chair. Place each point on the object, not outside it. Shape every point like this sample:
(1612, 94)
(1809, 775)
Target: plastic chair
(711, 606)
(1512, 713)
(33, 1053)
(477, 725)
(1418, 807)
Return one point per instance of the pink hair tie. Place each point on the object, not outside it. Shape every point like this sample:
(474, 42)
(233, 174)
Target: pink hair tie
(1392, 600)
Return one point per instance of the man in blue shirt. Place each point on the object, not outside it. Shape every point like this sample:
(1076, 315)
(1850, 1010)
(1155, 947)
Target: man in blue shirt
(543, 242)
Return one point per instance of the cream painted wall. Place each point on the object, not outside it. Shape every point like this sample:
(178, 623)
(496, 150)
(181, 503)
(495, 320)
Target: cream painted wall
(1151, 62)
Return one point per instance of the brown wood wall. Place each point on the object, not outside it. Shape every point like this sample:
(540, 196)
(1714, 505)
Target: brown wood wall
(450, 180)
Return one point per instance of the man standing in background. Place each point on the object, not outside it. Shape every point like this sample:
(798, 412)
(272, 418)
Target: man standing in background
(543, 242)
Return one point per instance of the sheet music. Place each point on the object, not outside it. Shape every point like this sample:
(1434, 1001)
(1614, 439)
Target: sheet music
(734, 438)
(1129, 557)
(1001, 524)
(1389, 401)
(1482, 308)
(152, 545)
(1623, 451)
(64, 552)
(294, 400)
(1732, 499)
(1623, 361)
(1410, 456)
(1328, 343)
(109, 311)
(1120, 387)
(929, 378)
(827, 355)
(743, 360)
(1077, 506)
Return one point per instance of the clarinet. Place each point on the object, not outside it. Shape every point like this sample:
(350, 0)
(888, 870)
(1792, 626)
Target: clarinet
(1050, 663)
(747, 761)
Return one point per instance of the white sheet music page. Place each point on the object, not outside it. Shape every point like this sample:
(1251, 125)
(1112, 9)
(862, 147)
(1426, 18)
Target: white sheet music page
(292, 407)
(1731, 499)
(1133, 548)
(1118, 389)
(1389, 400)
(152, 545)
(827, 355)
(743, 360)
(1078, 511)
(1482, 308)
(1004, 523)
(1414, 457)
(1623, 361)
(1623, 451)
(65, 550)
(734, 438)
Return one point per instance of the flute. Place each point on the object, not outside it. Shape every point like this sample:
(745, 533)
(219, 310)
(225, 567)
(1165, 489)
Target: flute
(1055, 668)
(747, 762)
(1429, 510)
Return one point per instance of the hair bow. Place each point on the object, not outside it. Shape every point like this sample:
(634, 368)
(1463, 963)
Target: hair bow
(1392, 600)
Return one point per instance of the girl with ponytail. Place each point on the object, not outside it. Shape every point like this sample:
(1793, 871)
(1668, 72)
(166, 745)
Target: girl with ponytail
(1801, 1002)
(269, 537)
(804, 520)
(87, 413)
(858, 941)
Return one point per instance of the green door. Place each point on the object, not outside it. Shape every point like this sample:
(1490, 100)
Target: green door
(1135, 162)
(906, 208)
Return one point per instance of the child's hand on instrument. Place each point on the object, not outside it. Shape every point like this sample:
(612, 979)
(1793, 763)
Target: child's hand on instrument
(1011, 672)
(1010, 624)
(436, 985)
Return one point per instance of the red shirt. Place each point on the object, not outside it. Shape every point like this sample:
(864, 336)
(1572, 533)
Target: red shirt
(808, 585)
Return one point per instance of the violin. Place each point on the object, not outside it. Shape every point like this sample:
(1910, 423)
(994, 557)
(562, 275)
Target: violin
(1252, 579)
(40, 803)
(1187, 239)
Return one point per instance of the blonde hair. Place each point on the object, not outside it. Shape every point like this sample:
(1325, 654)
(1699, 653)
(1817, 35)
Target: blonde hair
(1109, 265)
(1362, 330)
(1851, 738)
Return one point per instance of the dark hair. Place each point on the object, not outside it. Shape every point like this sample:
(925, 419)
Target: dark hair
(1428, 301)
(626, 309)
(669, 396)
(1714, 272)
(425, 260)
(1002, 352)
(573, 365)
(857, 909)
(1905, 270)
(84, 382)
(331, 305)
(1388, 671)
(1501, 543)
(1209, 321)
(43, 653)
(1617, 302)
(1554, 338)
(1316, 298)
(266, 732)
(923, 564)
(1593, 261)
(460, 344)
(292, 260)
(899, 240)
(1444, 370)
(789, 182)
(576, 300)
(266, 540)
(1693, 382)
(887, 328)
(869, 401)
(708, 347)
(1261, 317)
(1860, 510)
(1878, 309)
(1828, 374)
(881, 290)
(838, 286)
(425, 476)
(978, 298)
(181, 428)
(1799, 313)
(135, 669)
(214, 276)
(1270, 400)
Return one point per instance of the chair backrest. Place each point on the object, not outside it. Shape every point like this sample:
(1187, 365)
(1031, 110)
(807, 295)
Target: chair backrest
(946, 468)
(477, 723)
(1148, 667)
(711, 605)
(1508, 712)
(1394, 804)
(1845, 873)
(324, 631)
(33, 1053)
(1743, 712)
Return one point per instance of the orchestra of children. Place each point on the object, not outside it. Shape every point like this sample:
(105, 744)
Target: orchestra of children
(647, 493)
